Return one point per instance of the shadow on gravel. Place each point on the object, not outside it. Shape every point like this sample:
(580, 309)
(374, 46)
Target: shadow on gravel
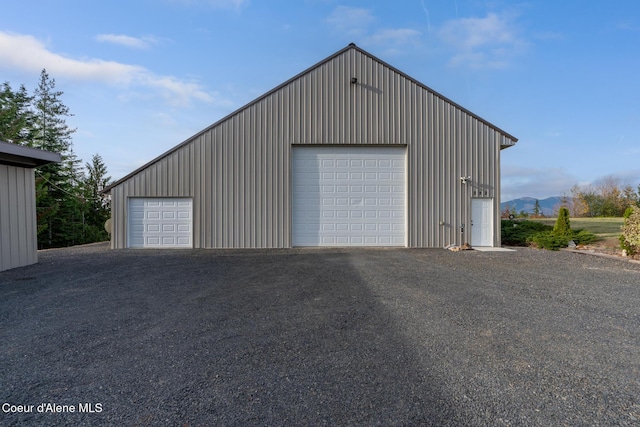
(210, 338)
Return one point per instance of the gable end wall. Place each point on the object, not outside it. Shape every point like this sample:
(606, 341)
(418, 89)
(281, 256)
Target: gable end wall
(238, 172)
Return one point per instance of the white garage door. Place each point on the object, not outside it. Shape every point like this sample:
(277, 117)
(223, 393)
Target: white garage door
(160, 223)
(349, 196)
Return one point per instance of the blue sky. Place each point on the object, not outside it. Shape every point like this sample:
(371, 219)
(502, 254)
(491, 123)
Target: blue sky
(144, 75)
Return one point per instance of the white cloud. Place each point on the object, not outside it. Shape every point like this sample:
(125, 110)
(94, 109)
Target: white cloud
(543, 183)
(351, 20)
(399, 36)
(127, 41)
(626, 177)
(489, 42)
(357, 22)
(26, 53)
(539, 183)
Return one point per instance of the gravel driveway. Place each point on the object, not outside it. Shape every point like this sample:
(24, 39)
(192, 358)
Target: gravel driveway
(313, 337)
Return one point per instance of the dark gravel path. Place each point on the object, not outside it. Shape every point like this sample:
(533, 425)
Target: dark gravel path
(313, 337)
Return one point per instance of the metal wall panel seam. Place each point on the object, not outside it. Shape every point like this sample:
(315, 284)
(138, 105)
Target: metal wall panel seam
(244, 135)
(269, 169)
(14, 213)
(196, 185)
(220, 182)
(255, 146)
(210, 209)
(30, 217)
(6, 173)
(4, 214)
(239, 173)
(226, 191)
(23, 232)
(257, 142)
(286, 194)
(16, 216)
(31, 214)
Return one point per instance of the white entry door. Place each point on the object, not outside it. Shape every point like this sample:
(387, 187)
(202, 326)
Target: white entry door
(160, 222)
(481, 222)
(349, 196)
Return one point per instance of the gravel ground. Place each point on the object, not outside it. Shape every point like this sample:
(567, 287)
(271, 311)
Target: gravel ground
(320, 337)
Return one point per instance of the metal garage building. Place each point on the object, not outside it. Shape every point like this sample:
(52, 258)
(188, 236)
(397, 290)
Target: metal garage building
(18, 228)
(349, 152)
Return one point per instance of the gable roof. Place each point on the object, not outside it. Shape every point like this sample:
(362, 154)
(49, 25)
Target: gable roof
(26, 157)
(294, 78)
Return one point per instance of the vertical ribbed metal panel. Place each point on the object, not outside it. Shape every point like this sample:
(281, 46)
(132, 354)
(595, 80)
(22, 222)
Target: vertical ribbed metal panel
(18, 229)
(238, 171)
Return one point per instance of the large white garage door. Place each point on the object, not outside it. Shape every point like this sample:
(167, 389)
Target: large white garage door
(160, 222)
(349, 196)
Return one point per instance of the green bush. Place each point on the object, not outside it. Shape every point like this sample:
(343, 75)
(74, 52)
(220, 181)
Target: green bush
(630, 238)
(583, 237)
(549, 240)
(563, 224)
(553, 241)
(526, 233)
(519, 233)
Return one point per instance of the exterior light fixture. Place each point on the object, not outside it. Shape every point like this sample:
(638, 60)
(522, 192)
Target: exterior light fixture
(354, 80)
(465, 179)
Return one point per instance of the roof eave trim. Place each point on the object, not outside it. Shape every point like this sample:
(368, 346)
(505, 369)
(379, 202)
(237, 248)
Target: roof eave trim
(27, 157)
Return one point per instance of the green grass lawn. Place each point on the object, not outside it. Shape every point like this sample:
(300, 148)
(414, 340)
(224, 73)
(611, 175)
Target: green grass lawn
(604, 228)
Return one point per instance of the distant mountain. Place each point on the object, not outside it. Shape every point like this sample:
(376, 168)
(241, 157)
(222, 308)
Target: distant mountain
(549, 205)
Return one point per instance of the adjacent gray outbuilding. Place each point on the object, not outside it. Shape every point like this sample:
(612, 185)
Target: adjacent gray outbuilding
(18, 225)
(349, 152)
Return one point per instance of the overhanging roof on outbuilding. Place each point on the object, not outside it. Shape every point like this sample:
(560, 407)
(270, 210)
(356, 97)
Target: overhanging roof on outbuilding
(26, 157)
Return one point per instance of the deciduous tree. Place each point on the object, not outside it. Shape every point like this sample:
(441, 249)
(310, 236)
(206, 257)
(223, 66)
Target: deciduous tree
(608, 197)
(630, 238)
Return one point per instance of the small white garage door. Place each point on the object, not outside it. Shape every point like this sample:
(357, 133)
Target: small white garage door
(349, 196)
(160, 222)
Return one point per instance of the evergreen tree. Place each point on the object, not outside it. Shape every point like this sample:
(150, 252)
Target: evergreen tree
(563, 224)
(15, 115)
(68, 222)
(69, 208)
(536, 209)
(96, 209)
(51, 132)
(45, 210)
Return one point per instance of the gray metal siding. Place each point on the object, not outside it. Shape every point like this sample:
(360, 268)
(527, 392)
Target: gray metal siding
(239, 173)
(18, 230)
